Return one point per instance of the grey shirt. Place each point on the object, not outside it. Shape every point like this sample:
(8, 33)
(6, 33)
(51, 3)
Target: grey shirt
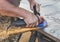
(15, 2)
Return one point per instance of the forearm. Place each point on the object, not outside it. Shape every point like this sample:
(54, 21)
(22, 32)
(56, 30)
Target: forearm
(8, 9)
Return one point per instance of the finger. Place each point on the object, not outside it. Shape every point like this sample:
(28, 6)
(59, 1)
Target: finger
(34, 25)
(27, 25)
(30, 25)
(38, 7)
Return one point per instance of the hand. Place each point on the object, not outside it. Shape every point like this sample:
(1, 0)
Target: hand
(37, 6)
(31, 20)
(41, 19)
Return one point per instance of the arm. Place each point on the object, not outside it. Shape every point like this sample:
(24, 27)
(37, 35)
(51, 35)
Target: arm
(32, 3)
(8, 9)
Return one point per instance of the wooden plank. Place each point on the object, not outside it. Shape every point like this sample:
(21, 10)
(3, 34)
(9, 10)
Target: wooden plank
(5, 33)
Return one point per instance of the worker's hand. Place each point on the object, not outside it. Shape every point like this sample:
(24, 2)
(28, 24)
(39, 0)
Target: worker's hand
(41, 19)
(37, 6)
(31, 20)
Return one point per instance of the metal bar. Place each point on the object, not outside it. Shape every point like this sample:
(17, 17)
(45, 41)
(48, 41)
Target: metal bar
(49, 35)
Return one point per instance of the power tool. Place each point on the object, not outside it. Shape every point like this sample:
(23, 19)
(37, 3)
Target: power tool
(42, 24)
(21, 23)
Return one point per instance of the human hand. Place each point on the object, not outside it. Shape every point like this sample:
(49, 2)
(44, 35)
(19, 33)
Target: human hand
(37, 6)
(41, 19)
(31, 20)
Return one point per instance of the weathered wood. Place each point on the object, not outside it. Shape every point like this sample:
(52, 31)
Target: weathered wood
(5, 33)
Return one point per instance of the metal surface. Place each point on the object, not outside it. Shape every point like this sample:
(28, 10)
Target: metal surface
(49, 36)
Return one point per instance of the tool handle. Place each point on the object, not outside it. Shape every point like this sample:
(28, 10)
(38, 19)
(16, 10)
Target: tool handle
(19, 22)
(35, 10)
